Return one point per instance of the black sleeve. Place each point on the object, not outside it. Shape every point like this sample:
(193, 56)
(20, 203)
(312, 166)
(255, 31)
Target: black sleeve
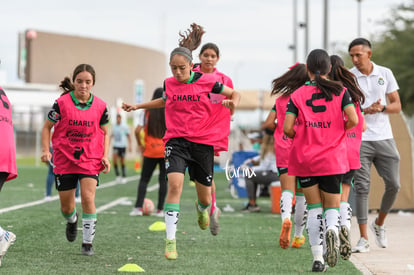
(217, 88)
(346, 100)
(291, 108)
(54, 113)
(164, 96)
(104, 118)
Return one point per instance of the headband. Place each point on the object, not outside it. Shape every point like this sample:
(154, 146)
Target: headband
(183, 51)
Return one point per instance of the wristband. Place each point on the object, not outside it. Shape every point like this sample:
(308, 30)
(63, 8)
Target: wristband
(383, 109)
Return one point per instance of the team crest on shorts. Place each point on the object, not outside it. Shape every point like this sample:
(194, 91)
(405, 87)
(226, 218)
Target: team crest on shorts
(168, 151)
(381, 81)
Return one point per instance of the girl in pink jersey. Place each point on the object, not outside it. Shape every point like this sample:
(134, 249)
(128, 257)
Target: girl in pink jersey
(209, 56)
(283, 87)
(80, 150)
(8, 168)
(318, 152)
(353, 140)
(191, 134)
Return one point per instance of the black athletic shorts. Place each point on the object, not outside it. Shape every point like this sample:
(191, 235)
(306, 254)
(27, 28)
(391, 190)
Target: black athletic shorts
(65, 182)
(120, 151)
(349, 177)
(282, 170)
(329, 184)
(3, 178)
(199, 158)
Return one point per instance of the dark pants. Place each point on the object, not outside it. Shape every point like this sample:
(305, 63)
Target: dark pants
(148, 168)
(261, 177)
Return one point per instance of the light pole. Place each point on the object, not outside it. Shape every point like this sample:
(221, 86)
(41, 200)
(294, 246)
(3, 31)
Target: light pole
(325, 25)
(305, 25)
(359, 18)
(294, 46)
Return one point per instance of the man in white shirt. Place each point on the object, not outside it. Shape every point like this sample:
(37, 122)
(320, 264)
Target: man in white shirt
(378, 146)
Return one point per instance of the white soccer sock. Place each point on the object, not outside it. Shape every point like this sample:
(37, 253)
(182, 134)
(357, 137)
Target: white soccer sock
(2, 231)
(202, 208)
(300, 215)
(171, 221)
(346, 214)
(89, 227)
(332, 219)
(286, 204)
(317, 253)
(315, 225)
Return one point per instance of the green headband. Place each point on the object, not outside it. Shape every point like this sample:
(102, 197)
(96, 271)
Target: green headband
(183, 51)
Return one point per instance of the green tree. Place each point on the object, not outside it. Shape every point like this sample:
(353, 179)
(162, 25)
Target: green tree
(394, 49)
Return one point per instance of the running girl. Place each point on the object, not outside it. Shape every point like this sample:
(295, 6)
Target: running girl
(318, 153)
(191, 134)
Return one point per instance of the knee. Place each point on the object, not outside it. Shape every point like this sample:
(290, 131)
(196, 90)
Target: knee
(173, 188)
(361, 189)
(392, 187)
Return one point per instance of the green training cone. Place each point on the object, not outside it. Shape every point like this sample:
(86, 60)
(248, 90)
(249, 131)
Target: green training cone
(131, 268)
(157, 226)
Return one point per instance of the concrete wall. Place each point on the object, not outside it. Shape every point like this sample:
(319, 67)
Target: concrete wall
(51, 57)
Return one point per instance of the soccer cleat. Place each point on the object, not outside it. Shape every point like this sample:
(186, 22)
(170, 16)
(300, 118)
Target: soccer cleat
(345, 242)
(318, 266)
(8, 239)
(136, 212)
(72, 230)
(47, 198)
(123, 180)
(284, 239)
(298, 241)
(362, 246)
(87, 249)
(170, 249)
(159, 213)
(379, 231)
(214, 223)
(203, 218)
(251, 208)
(332, 248)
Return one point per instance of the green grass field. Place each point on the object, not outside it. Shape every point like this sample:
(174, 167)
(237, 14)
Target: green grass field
(247, 242)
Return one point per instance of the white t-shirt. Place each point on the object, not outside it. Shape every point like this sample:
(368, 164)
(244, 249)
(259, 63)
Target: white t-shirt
(141, 118)
(376, 86)
(268, 163)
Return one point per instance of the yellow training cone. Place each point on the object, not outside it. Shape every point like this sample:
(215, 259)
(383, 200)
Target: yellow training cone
(131, 268)
(157, 226)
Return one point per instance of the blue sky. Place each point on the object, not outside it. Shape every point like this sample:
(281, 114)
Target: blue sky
(253, 36)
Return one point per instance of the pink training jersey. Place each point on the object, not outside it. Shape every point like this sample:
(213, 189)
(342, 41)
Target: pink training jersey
(223, 116)
(319, 146)
(78, 140)
(7, 145)
(282, 142)
(190, 114)
(220, 77)
(353, 140)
